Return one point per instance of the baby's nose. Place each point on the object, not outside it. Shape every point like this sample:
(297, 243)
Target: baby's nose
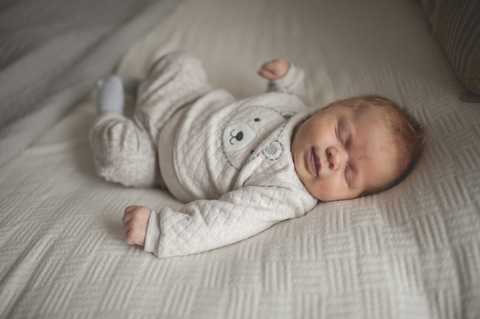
(336, 158)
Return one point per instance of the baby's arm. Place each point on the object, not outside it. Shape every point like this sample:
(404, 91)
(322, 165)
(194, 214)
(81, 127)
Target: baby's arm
(274, 69)
(284, 77)
(208, 224)
(135, 222)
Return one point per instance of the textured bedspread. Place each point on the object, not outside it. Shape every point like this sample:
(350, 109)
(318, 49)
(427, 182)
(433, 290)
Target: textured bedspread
(410, 252)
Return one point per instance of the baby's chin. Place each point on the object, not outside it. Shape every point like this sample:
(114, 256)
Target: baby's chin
(332, 197)
(322, 197)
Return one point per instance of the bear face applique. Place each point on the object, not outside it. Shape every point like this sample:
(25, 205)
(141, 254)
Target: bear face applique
(246, 129)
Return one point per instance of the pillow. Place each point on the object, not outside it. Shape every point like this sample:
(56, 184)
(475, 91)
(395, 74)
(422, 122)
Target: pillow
(456, 25)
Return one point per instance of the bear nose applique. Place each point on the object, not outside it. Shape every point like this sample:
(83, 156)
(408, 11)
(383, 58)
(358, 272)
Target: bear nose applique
(236, 136)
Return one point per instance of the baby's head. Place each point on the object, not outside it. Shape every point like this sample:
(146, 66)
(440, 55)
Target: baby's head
(354, 147)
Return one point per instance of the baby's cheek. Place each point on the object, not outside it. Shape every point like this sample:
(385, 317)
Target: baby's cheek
(329, 191)
(320, 191)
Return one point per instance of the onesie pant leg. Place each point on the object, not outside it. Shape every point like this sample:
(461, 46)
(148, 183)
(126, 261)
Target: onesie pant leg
(174, 81)
(123, 152)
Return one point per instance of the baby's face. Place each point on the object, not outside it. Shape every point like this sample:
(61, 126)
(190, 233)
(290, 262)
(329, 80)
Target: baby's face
(339, 152)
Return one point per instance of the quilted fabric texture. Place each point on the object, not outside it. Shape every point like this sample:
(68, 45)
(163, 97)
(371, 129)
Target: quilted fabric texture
(234, 189)
(410, 252)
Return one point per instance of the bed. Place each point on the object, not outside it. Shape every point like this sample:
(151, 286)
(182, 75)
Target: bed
(412, 251)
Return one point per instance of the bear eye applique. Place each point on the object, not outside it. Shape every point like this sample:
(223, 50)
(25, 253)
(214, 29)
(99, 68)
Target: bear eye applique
(257, 119)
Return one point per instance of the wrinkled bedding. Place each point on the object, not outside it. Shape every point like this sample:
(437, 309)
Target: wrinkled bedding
(52, 51)
(410, 252)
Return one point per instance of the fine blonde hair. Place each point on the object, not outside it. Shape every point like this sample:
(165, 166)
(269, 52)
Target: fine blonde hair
(408, 133)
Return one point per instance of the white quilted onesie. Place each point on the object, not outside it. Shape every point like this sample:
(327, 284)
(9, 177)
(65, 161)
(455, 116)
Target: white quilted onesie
(229, 160)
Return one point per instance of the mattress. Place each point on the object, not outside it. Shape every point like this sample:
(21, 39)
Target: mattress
(412, 251)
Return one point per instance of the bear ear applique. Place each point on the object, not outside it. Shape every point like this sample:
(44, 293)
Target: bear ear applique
(273, 151)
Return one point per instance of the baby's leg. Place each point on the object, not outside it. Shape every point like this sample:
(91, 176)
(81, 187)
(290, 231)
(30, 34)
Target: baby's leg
(124, 152)
(174, 81)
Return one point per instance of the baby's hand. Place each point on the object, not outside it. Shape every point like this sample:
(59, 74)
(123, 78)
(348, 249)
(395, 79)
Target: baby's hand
(135, 223)
(274, 69)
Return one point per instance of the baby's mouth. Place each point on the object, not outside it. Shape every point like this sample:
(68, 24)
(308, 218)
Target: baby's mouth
(314, 162)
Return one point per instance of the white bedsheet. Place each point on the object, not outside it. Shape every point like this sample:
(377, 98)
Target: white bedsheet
(410, 252)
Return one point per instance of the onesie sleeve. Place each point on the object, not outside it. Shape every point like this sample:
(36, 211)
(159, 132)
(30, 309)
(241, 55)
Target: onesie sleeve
(208, 224)
(291, 83)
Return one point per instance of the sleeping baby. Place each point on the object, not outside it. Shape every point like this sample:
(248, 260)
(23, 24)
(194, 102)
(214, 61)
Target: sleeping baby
(241, 166)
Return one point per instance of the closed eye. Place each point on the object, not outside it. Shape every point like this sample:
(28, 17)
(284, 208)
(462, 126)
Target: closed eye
(348, 174)
(341, 134)
(338, 135)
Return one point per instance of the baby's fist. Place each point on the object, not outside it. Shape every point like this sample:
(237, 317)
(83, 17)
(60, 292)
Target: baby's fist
(135, 222)
(274, 69)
